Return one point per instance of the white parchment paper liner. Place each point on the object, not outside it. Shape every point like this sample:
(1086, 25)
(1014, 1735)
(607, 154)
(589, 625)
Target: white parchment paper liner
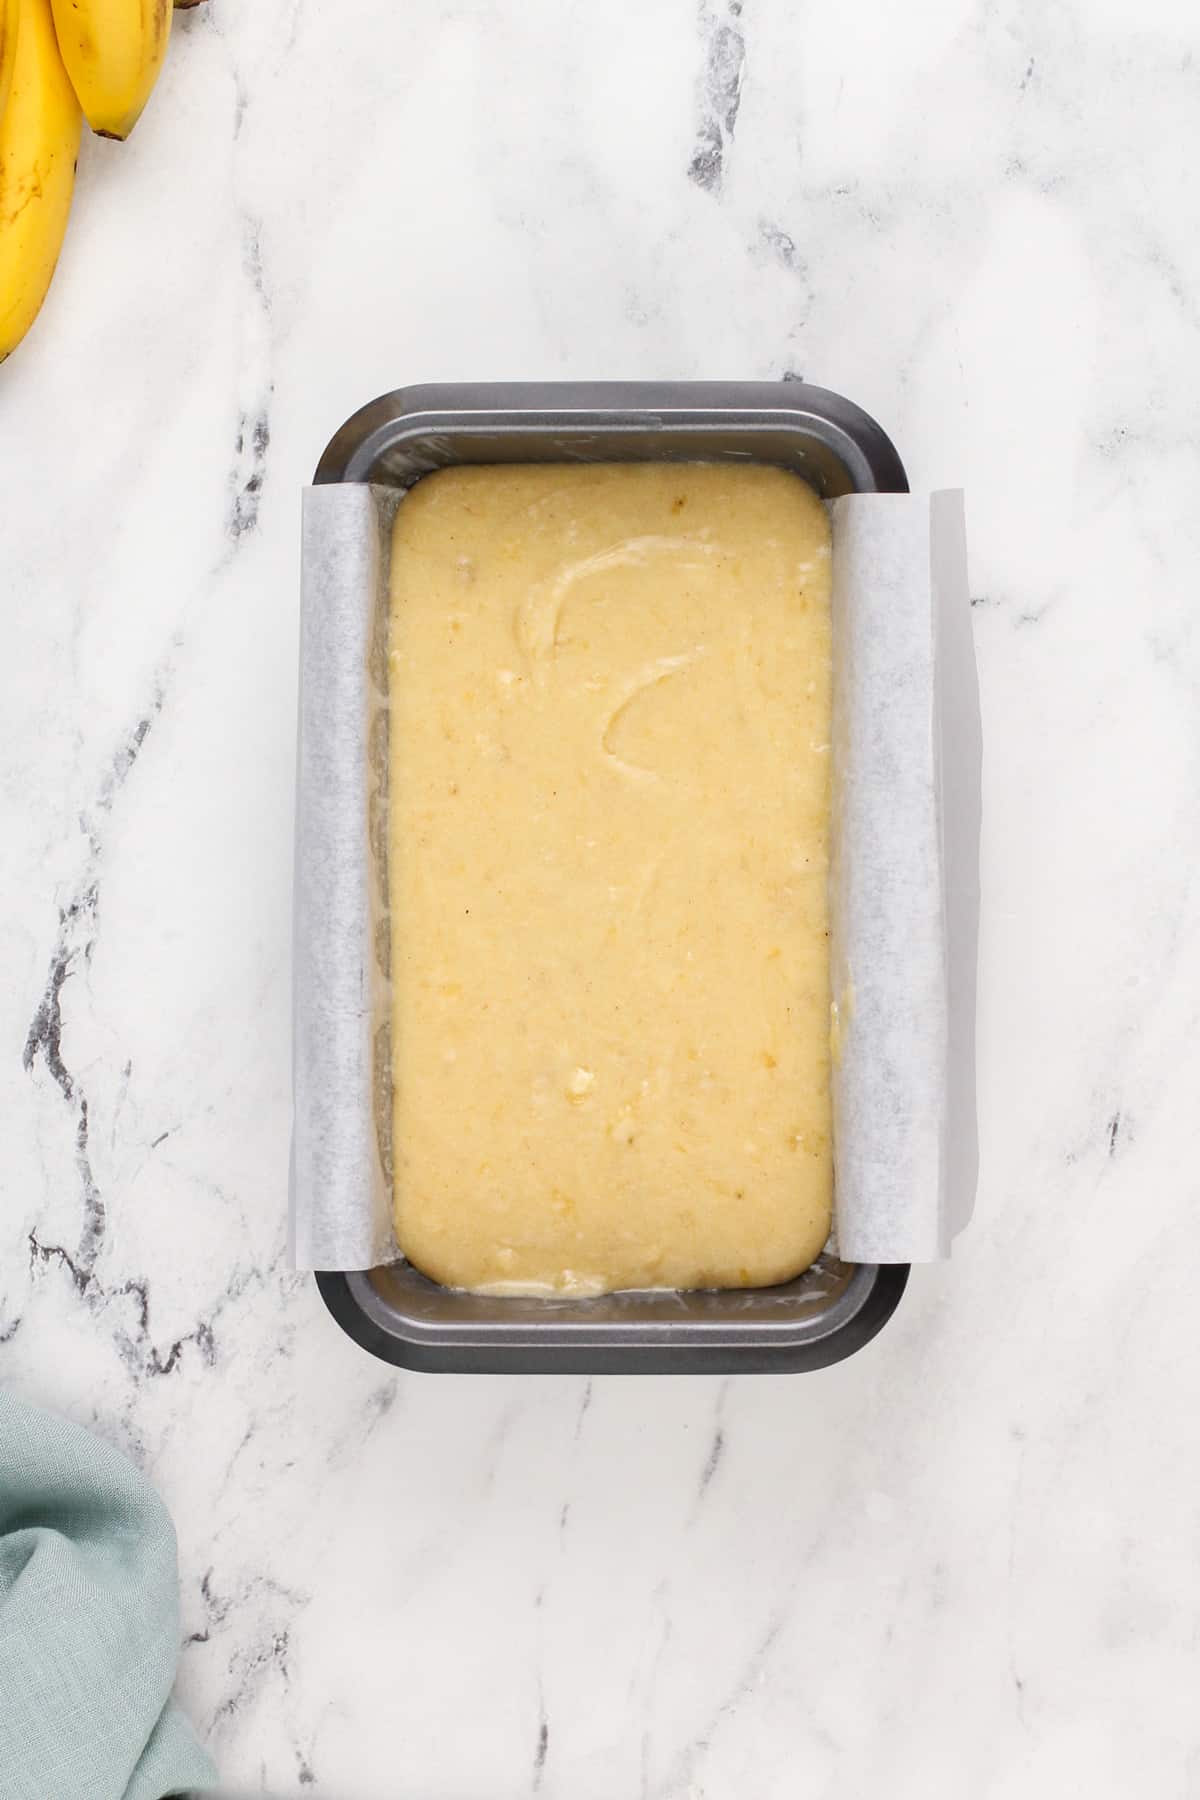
(905, 876)
(904, 886)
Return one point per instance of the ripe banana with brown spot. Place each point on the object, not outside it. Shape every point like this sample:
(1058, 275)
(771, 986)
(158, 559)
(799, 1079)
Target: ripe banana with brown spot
(39, 142)
(10, 18)
(113, 50)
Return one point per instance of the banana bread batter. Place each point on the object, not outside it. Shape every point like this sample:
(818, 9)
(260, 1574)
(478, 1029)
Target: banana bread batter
(610, 722)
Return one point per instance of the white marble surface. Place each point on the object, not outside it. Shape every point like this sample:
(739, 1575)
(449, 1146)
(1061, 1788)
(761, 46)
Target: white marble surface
(962, 1564)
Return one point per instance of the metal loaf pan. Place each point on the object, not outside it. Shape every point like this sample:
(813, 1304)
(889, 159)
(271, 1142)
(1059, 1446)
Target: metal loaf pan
(832, 1309)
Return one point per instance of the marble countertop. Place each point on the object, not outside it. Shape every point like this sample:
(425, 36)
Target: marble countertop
(963, 1563)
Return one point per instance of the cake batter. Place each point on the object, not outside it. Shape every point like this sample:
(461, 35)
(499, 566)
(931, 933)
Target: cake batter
(609, 745)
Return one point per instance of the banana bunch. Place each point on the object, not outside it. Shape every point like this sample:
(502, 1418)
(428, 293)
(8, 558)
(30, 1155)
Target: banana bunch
(61, 61)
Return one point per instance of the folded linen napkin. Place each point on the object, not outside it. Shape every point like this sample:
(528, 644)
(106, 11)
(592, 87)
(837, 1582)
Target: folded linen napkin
(89, 1622)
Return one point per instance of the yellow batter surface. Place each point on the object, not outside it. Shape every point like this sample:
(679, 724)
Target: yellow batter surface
(608, 853)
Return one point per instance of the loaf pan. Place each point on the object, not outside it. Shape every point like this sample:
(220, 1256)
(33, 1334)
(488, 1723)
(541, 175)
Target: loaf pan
(832, 1309)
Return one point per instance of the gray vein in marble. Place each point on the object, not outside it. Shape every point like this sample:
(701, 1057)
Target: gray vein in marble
(73, 948)
(1019, 616)
(136, 1349)
(376, 1406)
(215, 1611)
(124, 757)
(716, 1448)
(78, 923)
(142, 1356)
(241, 101)
(252, 439)
(720, 92)
(251, 1664)
(564, 1516)
(246, 1438)
(1181, 290)
(495, 1444)
(119, 1104)
(293, 26)
(246, 476)
(252, 1668)
(682, 1772)
(542, 1746)
(782, 247)
(44, 1039)
(712, 1461)
(381, 1400)
(45, 1032)
(213, 19)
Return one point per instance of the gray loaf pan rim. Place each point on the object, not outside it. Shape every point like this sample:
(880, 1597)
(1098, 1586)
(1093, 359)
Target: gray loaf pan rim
(832, 1310)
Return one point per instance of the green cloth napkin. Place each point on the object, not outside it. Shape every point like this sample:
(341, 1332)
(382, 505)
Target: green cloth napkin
(89, 1622)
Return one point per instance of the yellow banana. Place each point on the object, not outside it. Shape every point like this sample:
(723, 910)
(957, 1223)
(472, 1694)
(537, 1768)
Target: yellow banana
(39, 141)
(113, 50)
(10, 16)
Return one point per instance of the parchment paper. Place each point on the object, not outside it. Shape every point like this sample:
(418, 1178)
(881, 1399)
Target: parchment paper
(904, 886)
(905, 876)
